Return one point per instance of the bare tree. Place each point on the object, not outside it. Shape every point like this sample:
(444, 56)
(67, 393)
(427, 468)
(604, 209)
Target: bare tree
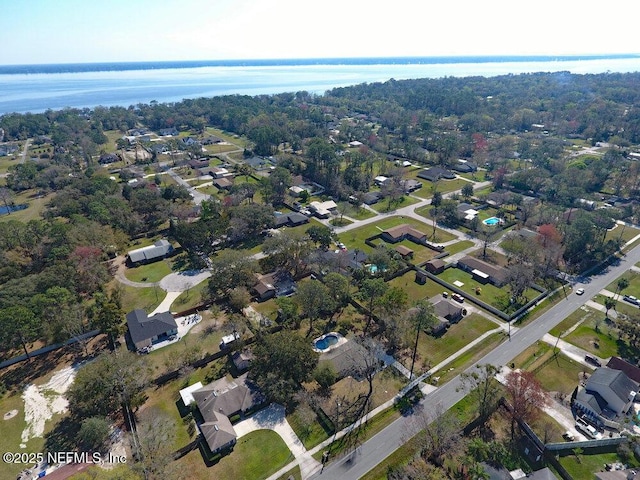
(156, 434)
(6, 197)
(483, 388)
(525, 395)
(439, 435)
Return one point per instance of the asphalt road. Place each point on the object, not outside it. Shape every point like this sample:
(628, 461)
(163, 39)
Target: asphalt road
(377, 448)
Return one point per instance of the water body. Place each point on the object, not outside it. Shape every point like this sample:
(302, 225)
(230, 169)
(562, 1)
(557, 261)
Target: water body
(36, 88)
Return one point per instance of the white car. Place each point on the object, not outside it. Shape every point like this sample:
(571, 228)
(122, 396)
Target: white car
(580, 291)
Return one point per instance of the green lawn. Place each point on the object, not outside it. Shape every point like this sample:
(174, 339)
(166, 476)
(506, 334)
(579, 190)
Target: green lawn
(556, 373)
(36, 205)
(355, 238)
(421, 253)
(436, 349)
(310, 435)
(152, 272)
(489, 293)
(147, 298)
(257, 455)
(588, 465)
(353, 211)
(626, 233)
(581, 314)
(444, 186)
(414, 290)
(459, 246)
(383, 205)
(189, 298)
(602, 341)
(474, 354)
(634, 284)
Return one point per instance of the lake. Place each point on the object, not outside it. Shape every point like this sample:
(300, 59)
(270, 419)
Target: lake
(38, 88)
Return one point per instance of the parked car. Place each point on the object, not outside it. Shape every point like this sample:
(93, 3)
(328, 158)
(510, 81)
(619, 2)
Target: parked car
(631, 299)
(580, 291)
(592, 360)
(457, 297)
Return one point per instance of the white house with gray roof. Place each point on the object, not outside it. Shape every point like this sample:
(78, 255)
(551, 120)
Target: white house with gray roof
(152, 253)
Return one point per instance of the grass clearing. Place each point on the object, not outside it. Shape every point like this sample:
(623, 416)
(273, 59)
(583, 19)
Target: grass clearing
(384, 206)
(355, 238)
(147, 298)
(470, 356)
(585, 465)
(151, 272)
(433, 350)
(257, 455)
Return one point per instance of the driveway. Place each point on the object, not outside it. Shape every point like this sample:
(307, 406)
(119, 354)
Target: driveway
(273, 418)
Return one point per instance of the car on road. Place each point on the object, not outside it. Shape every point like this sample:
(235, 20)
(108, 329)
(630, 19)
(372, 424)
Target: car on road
(580, 291)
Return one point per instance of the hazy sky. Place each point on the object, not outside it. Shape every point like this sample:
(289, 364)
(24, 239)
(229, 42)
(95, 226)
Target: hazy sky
(60, 31)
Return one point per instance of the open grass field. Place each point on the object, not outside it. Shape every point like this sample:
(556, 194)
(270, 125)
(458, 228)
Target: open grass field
(353, 211)
(383, 206)
(556, 373)
(433, 350)
(240, 142)
(146, 298)
(36, 206)
(421, 253)
(596, 336)
(625, 233)
(489, 293)
(461, 363)
(459, 246)
(414, 290)
(257, 455)
(189, 298)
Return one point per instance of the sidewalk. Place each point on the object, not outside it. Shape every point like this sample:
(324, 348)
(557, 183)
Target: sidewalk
(307, 458)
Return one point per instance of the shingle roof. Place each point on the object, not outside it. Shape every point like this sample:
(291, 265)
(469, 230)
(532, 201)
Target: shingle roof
(401, 231)
(218, 431)
(225, 397)
(142, 327)
(495, 271)
(630, 371)
(446, 309)
(616, 380)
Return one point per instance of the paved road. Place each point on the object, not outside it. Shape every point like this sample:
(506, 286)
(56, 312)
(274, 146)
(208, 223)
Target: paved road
(376, 449)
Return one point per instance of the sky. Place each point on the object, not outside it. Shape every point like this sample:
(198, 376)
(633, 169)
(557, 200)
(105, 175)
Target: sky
(79, 31)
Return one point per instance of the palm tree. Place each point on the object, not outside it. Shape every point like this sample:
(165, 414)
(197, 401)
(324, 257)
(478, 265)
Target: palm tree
(621, 285)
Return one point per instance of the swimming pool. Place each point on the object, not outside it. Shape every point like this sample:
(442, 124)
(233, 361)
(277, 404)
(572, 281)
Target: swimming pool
(491, 221)
(327, 342)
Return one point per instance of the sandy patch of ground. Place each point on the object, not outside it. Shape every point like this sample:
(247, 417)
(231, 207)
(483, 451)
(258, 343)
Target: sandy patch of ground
(42, 402)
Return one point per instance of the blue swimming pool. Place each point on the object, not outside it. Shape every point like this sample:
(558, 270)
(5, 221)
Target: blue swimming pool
(326, 341)
(491, 221)
(373, 269)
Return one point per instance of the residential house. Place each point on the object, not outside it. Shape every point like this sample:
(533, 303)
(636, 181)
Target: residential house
(106, 158)
(190, 141)
(631, 371)
(145, 331)
(466, 211)
(434, 174)
(274, 284)
(402, 232)
(224, 183)
(381, 180)
(157, 251)
(323, 209)
(410, 185)
(219, 172)
(168, 132)
(8, 149)
(607, 394)
(212, 140)
(484, 272)
(464, 166)
(435, 266)
(447, 313)
(342, 261)
(292, 219)
(199, 163)
(371, 198)
(220, 400)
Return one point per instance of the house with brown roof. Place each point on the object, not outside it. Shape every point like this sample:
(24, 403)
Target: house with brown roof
(405, 252)
(224, 183)
(484, 272)
(218, 433)
(435, 266)
(402, 232)
(274, 284)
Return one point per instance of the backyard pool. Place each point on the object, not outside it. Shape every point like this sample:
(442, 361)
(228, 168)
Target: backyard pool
(326, 342)
(492, 221)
